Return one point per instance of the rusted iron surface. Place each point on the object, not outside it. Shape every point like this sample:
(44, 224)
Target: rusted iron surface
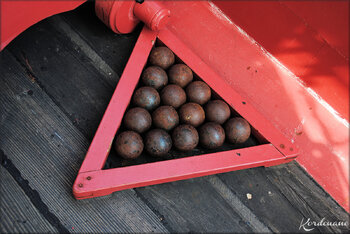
(158, 142)
(165, 117)
(129, 145)
(217, 111)
(137, 119)
(154, 77)
(180, 74)
(185, 137)
(162, 57)
(146, 97)
(211, 135)
(198, 92)
(237, 130)
(192, 113)
(173, 95)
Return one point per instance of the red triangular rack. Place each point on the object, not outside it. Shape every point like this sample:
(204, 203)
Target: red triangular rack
(93, 181)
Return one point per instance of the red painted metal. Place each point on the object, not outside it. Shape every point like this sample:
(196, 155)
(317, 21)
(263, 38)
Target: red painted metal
(123, 16)
(311, 38)
(103, 182)
(321, 135)
(17, 16)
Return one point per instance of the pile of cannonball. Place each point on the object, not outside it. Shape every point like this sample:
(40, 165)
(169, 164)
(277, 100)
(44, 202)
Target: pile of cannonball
(171, 109)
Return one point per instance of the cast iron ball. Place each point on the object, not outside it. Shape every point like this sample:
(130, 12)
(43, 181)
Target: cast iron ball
(162, 57)
(158, 142)
(185, 137)
(211, 135)
(237, 130)
(217, 111)
(129, 145)
(137, 119)
(180, 74)
(173, 95)
(165, 117)
(198, 92)
(192, 113)
(154, 77)
(146, 97)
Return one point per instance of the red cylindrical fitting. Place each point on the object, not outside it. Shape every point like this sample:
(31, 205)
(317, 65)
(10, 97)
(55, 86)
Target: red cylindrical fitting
(152, 14)
(123, 16)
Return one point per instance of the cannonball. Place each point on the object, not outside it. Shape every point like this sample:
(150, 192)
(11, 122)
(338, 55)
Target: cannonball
(146, 97)
(192, 113)
(162, 57)
(173, 95)
(217, 111)
(180, 74)
(198, 92)
(165, 117)
(137, 119)
(211, 135)
(185, 137)
(237, 130)
(129, 145)
(154, 77)
(158, 142)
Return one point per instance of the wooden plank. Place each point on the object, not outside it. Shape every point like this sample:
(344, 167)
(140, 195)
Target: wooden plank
(48, 150)
(280, 201)
(17, 212)
(267, 203)
(114, 48)
(307, 196)
(193, 206)
(65, 73)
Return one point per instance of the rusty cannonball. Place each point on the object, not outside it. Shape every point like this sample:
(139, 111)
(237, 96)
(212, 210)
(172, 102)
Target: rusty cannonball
(198, 92)
(217, 111)
(180, 74)
(129, 145)
(211, 135)
(173, 95)
(192, 113)
(137, 119)
(146, 97)
(165, 117)
(162, 57)
(185, 137)
(237, 130)
(158, 142)
(154, 77)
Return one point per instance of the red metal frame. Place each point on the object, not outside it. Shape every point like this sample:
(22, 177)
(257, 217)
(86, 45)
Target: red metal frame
(92, 181)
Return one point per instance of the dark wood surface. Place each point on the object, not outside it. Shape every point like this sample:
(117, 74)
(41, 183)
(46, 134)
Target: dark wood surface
(56, 81)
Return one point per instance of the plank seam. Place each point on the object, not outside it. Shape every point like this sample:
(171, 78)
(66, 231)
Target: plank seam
(325, 193)
(96, 59)
(32, 194)
(35, 80)
(237, 205)
(154, 210)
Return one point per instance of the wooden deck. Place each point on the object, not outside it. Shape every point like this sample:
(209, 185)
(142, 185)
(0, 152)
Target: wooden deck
(56, 82)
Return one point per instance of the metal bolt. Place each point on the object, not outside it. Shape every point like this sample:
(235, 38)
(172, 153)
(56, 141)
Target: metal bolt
(88, 178)
(80, 185)
(282, 146)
